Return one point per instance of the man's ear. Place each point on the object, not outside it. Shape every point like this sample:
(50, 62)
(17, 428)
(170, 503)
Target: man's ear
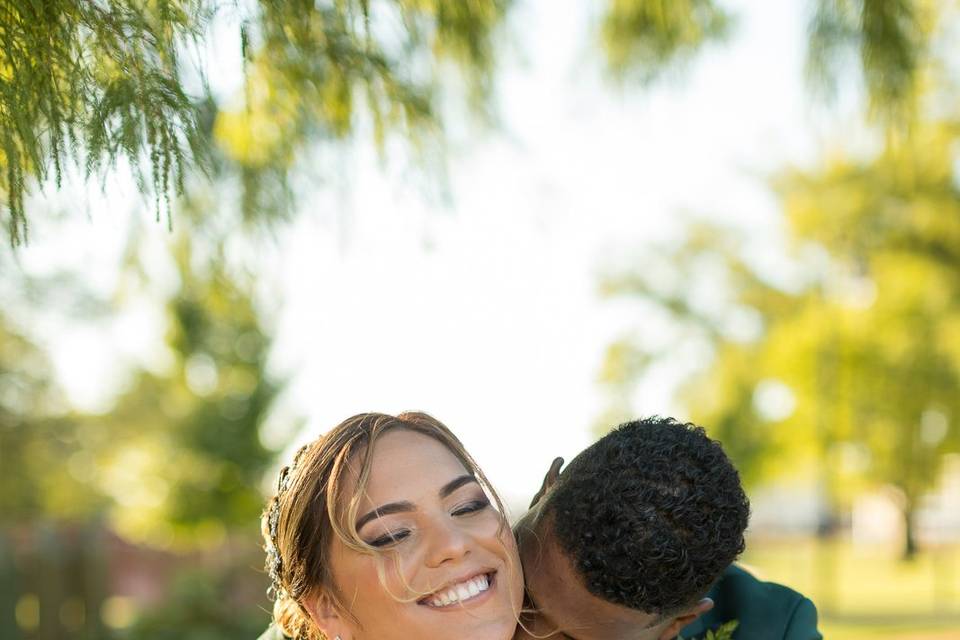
(327, 618)
(678, 623)
(553, 474)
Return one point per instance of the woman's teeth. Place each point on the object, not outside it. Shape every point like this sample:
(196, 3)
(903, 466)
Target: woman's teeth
(460, 592)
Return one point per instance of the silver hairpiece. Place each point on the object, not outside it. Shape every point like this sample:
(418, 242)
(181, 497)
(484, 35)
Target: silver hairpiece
(274, 565)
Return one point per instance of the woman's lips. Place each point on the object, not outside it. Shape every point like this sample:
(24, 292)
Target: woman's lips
(461, 593)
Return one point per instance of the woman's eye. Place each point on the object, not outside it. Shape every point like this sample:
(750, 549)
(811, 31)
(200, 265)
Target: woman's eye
(391, 538)
(472, 507)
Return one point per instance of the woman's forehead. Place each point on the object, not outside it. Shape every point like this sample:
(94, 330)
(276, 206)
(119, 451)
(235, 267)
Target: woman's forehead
(406, 464)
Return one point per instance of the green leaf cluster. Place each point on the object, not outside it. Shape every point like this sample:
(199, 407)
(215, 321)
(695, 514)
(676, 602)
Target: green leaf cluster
(890, 41)
(314, 68)
(886, 43)
(88, 82)
(91, 82)
(723, 632)
(641, 38)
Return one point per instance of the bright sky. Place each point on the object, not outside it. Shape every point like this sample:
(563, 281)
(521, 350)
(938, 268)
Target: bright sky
(484, 311)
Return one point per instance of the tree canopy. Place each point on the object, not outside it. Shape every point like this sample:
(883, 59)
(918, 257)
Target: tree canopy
(850, 364)
(177, 462)
(90, 84)
(641, 38)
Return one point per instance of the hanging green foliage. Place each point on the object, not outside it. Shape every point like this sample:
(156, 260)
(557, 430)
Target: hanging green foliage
(88, 82)
(641, 38)
(890, 41)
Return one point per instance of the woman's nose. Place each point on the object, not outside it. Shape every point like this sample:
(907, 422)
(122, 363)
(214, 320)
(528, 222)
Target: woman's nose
(448, 543)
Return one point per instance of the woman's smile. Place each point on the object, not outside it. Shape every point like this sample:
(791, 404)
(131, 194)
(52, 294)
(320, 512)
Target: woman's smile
(462, 593)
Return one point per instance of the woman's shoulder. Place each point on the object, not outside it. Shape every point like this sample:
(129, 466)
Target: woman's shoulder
(272, 633)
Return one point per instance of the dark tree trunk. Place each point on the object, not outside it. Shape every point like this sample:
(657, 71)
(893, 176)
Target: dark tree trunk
(910, 535)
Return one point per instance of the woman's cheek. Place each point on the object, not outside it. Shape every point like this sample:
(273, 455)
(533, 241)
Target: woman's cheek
(490, 524)
(400, 568)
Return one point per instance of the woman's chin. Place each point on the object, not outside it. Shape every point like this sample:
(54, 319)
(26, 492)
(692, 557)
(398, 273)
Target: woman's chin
(485, 618)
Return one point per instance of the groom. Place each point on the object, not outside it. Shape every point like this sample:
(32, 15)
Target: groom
(635, 540)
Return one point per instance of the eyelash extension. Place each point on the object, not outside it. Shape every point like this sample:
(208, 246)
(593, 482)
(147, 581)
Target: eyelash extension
(390, 538)
(472, 507)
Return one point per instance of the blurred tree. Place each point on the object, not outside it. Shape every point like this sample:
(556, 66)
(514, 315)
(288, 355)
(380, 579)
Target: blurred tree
(178, 461)
(642, 38)
(679, 296)
(92, 82)
(890, 41)
(177, 464)
(46, 480)
(888, 313)
(858, 365)
(850, 364)
(38, 440)
(101, 77)
(200, 608)
(314, 66)
(886, 41)
(180, 453)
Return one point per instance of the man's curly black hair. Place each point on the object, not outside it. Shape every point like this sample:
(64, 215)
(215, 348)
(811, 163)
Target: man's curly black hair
(650, 515)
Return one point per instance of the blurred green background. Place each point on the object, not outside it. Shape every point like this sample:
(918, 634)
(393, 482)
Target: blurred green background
(824, 354)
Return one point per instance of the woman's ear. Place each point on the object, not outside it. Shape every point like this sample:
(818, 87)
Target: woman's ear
(327, 618)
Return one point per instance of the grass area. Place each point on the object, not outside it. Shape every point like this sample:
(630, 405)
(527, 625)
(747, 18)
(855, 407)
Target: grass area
(868, 591)
(833, 631)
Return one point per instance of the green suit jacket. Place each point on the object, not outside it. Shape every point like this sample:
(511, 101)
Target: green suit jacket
(764, 610)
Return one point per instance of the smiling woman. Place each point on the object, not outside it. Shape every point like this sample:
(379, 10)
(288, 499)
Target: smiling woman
(386, 528)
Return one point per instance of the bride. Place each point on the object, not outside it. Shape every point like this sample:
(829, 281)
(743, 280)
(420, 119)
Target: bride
(385, 528)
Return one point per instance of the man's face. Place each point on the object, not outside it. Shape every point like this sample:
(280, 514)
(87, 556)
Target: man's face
(562, 608)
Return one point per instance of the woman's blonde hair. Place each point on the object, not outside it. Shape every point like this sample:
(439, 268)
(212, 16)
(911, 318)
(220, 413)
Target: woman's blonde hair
(310, 508)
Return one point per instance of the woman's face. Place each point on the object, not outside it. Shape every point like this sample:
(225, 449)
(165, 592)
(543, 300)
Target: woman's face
(451, 570)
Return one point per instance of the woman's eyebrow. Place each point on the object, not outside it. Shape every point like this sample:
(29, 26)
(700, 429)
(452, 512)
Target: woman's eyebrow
(405, 506)
(455, 484)
(385, 510)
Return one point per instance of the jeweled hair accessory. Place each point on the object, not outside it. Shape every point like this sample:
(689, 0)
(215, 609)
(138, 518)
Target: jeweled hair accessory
(274, 565)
